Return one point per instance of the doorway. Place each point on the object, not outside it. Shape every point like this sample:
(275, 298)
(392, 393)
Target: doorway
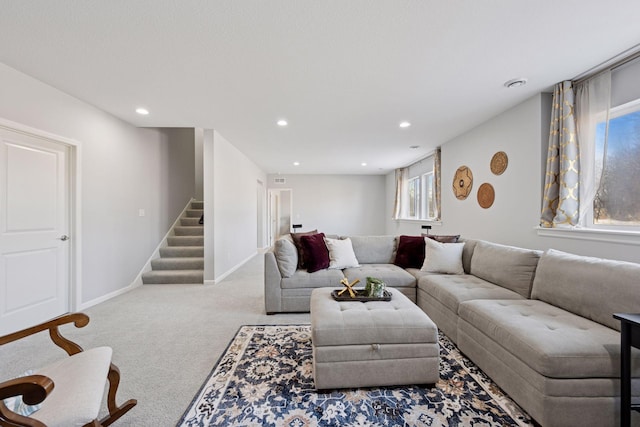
(36, 226)
(260, 196)
(280, 213)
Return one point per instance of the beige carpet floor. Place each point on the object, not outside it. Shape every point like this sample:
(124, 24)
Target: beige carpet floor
(165, 338)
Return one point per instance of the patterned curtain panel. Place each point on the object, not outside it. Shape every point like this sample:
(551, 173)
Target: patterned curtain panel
(560, 202)
(401, 181)
(436, 183)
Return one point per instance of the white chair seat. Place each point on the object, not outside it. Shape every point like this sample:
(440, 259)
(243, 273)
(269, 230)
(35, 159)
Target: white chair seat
(79, 384)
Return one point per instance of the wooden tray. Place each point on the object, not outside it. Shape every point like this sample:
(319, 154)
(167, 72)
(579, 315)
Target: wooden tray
(359, 296)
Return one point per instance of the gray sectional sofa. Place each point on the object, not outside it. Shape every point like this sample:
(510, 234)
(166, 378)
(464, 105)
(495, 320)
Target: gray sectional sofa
(288, 288)
(539, 324)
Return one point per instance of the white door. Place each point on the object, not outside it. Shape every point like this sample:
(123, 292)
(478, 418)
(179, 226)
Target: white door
(34, 228)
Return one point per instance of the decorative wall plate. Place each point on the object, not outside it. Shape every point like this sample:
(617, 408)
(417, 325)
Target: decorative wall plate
(486, 195)
(499, 163)
(462, 182)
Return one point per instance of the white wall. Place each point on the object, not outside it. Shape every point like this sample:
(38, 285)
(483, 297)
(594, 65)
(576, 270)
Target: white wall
(179, 168)
(198, 158)
(124, 169)
(208, 197)
(337, 204)
(234, 207)
(522, 133)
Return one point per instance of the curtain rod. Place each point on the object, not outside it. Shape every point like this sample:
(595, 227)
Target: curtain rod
(610, 64)
(425, 157)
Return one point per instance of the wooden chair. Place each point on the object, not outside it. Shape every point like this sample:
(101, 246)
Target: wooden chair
(71, 390)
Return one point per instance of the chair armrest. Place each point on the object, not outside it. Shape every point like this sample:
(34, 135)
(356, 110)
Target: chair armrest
(80, 320)
(33, 388)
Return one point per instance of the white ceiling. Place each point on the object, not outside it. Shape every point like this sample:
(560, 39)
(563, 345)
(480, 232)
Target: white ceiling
(343, 73)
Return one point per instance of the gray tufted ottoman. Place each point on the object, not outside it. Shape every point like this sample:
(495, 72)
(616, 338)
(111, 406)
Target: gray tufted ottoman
(376, 343)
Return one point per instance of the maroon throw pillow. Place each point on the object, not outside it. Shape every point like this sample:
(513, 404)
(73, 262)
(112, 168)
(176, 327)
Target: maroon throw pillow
(316, 252)
(296, 241)
(443, 238)
(410, 253)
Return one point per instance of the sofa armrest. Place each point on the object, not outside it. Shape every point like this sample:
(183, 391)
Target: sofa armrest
(272, 280)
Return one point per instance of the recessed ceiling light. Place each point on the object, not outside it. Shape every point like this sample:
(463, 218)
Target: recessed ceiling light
(282, 123)
(405, 124)
(296, 163)
(413, 147)
(142, 111)
(363, 164)
(521, 81)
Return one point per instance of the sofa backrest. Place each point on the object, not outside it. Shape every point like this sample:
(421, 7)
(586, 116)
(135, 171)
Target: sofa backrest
(467, 253)
(594, 288)
(507, 266)
(374, 249)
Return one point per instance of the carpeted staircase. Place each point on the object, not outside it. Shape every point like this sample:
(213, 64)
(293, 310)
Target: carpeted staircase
(182, 260)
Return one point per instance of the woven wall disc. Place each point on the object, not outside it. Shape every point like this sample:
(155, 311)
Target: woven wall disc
(486, 195)
(499, 163)
(462, 182)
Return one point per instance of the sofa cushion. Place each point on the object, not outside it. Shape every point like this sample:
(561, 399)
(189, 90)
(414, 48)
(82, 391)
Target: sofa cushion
(392, 275)
(319, 279)
(341, 253)
(594, 288)
(552, 341)
(316, 253)
(286, 256)
(443, 258)
(374, 249)
(451, 290)
(508, 266)
(410, 253)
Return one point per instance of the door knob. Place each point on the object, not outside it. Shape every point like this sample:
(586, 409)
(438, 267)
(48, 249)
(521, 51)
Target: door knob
(64, 237)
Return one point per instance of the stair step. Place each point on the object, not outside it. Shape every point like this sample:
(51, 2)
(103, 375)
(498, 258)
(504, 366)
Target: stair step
(173, 277)
(190, 230)
(182, 260)
(185, 241)
(194, 213)
(182, 251)
(189, 221)
(178, 263)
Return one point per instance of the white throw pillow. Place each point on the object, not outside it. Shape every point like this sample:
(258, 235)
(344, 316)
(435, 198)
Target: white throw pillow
(442, 257)
(341, 253)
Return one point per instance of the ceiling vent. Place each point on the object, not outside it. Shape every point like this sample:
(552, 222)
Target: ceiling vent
(279, 180)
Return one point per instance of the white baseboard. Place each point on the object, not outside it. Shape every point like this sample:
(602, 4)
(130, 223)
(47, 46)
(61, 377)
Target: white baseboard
(103, 298)
(147, 267)
(156, 253)
(231, 270)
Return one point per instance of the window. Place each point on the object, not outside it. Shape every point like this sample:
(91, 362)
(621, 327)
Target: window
(419, 194)
(415, 199)
(617, 200)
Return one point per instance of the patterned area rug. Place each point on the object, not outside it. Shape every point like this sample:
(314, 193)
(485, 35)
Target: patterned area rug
(265, 378)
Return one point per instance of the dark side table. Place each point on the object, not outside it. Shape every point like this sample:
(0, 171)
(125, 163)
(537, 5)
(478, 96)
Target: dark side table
(629, 336)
